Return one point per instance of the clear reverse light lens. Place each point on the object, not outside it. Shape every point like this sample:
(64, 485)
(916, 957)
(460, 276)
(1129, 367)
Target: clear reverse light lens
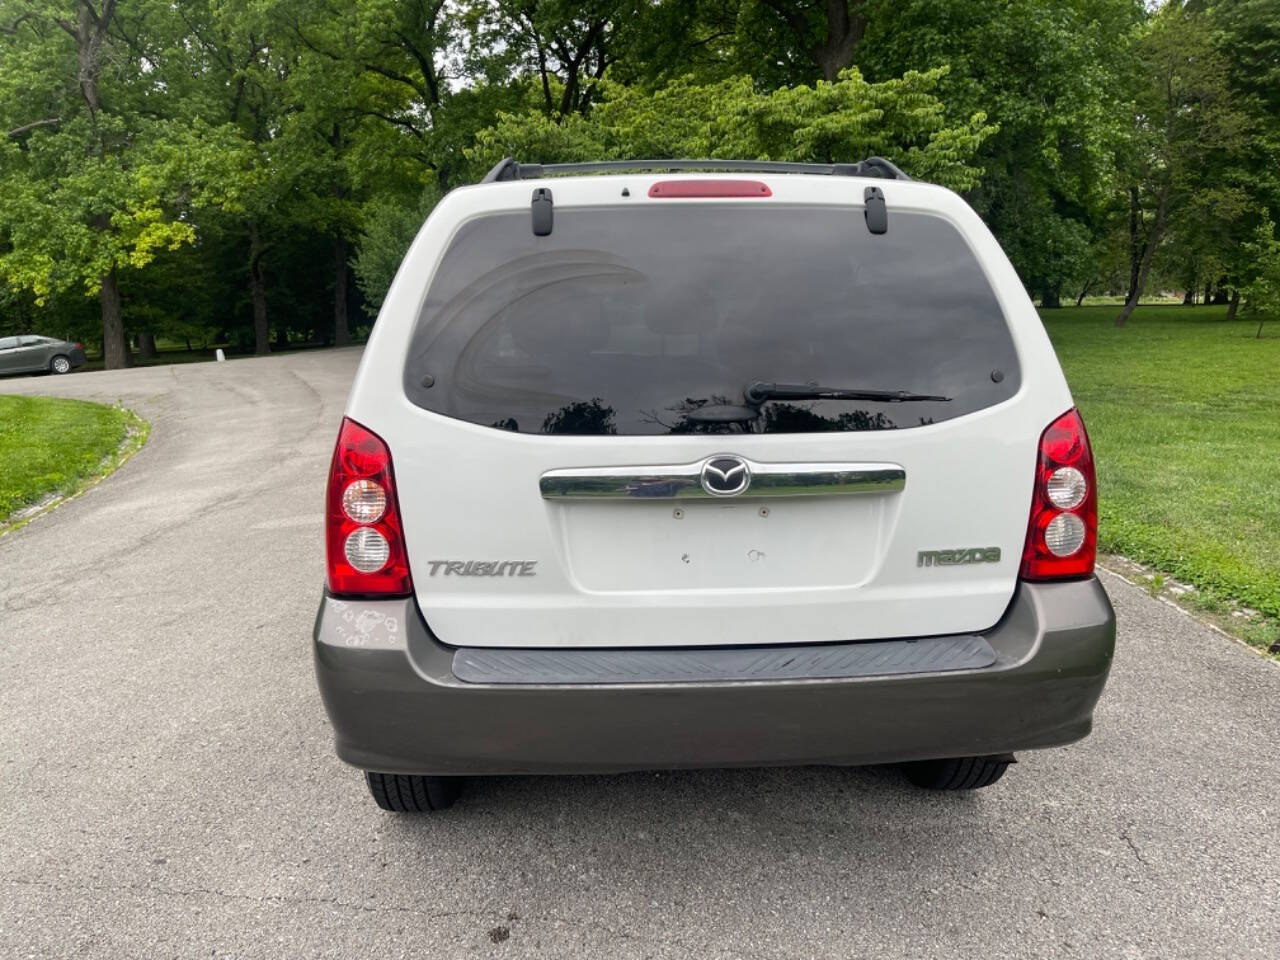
(364, 501)
(1067, 488)
(367, 550)
(1063, 536)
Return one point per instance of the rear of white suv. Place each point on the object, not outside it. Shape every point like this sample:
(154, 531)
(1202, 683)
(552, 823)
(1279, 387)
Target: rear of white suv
(760, 465)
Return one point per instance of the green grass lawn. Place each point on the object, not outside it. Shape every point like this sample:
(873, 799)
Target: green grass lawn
(52, 445)
(1183, 409)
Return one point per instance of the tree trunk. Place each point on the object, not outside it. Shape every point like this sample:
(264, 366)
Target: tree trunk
(115, 347)
(1208, 293)
(282, 338)
(89, 32)
(1135, 248)
(1148, 254)
(147, 345)
(341, 329)
(1050, 298)
(258, 290)
(1189, 297)
(1083, 291)
(845, 27)
(1234, 305)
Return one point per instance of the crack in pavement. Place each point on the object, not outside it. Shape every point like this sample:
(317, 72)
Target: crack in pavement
(501, 916)
(1124, 835)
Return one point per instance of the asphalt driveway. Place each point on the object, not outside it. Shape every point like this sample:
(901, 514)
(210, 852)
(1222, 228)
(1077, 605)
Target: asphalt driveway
(168, 787)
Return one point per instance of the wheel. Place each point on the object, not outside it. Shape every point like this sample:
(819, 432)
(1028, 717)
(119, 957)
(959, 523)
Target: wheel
(60, 364)
(401, 793)
(958, 773)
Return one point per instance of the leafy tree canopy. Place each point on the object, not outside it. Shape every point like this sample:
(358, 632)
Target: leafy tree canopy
(249, 172)
(825, 122)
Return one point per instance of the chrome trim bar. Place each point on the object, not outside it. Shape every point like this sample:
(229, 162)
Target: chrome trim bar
(684, 481)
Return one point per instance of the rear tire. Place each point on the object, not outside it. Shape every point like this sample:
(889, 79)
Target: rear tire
(60, 364)
(958, 773)
(408, 793)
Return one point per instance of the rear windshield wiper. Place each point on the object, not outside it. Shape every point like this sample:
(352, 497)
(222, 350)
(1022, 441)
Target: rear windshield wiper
(760, 392)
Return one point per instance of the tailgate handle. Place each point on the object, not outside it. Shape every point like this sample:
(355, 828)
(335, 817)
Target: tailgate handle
(684, 481)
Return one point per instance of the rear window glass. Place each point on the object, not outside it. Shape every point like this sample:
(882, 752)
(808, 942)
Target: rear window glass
(655, 320)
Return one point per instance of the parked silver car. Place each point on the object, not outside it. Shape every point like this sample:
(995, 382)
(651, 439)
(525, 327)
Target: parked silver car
(32, 354)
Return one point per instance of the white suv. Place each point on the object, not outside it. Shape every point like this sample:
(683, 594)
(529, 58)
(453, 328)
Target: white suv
(707, 463)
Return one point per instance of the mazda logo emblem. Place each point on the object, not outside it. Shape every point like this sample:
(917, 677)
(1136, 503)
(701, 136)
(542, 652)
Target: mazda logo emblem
(725, 476)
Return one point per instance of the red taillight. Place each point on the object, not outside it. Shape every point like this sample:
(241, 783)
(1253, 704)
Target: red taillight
(361, 516)
(79, 346)
(1062, 535)
(710, 188)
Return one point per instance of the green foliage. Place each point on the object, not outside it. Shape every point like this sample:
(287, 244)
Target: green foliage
(1262, 255)
(390, 226)
(218, 163)
(1055, 77)
(91, 181)
(1182, 167)
(70, 218)
(826, 122)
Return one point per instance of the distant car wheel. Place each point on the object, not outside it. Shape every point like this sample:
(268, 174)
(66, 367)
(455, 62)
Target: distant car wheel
(958, 773)
(60, 364)
(402, 793)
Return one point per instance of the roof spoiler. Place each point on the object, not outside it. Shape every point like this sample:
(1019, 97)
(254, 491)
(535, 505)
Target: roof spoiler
(509, 169)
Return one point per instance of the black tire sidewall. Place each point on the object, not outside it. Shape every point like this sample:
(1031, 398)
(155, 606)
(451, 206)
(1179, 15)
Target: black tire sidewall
(412, 793)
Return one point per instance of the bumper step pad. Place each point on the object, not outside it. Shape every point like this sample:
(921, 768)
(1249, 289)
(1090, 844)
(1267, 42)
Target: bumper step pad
(743, 664)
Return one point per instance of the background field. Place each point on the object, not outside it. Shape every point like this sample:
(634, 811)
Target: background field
(1183, 408)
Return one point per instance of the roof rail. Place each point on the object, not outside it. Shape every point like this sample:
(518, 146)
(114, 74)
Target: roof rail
(509, 169)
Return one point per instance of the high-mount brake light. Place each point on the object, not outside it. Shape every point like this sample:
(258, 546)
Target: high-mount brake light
(687, 189)
(364, 539)
(1062, 534)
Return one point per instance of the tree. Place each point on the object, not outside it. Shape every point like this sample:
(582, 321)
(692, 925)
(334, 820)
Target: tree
(286, 125)
(398, 62)
(1188, 126)
(260, 154)
(778, 42)
(1056, 77)
(234, 72)
(828, 122)
(93, 181)
(390, 226)
(829, 31)
(1262, 289)
(1246, 35)
(563, 45)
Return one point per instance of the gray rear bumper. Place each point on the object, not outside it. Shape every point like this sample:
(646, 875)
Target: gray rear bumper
(397, 705)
